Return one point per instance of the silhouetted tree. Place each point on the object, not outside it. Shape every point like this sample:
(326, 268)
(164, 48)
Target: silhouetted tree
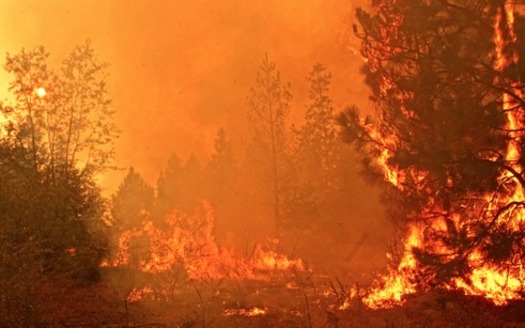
(319, 140)
(221, 170)
(169, 187)
(132, 202)
(268, 110)
(316, 156)
(221, 185)
(192, 184)
(57, 135)
(64, 119)
(180, 186)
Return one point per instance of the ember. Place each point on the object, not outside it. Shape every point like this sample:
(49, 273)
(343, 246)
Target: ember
(251, 312)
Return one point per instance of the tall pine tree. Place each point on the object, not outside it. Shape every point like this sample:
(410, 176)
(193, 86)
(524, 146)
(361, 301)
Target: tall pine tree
(268, 111)
(446, 86)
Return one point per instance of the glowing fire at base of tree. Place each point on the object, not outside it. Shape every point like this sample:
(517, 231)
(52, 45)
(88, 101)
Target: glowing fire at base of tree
(498, 283)
(458, 176)
(400, 281)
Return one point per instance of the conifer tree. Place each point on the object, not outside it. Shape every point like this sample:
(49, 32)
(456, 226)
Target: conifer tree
(446, 86)
(268, 110)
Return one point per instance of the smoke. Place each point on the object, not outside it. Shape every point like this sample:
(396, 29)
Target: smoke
(195, 62)
(180, 70)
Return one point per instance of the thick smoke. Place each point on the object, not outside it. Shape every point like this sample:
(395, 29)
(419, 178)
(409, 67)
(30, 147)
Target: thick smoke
(180, 70)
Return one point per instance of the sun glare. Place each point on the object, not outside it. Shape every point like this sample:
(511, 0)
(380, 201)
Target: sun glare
(41, 92)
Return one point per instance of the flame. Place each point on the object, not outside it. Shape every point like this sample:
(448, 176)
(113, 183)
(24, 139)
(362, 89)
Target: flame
(188, 242)
(500, 281)
(72, 251)
(251, 312)
(399, 281)
(496, 284)
(138, 294)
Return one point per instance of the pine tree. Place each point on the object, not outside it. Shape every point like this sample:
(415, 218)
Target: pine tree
(221, 170)
(268, 104)
(441, 128)
(319, 142)
(192, 184)
(132, 202)
(169, 187)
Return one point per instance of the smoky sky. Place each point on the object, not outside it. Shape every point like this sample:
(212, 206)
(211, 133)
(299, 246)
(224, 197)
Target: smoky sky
(180, 70)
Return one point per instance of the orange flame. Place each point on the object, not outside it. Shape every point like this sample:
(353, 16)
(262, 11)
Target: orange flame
(252, 312)
(137, 295)
(189, 242)
(498, 282)
(400, 281)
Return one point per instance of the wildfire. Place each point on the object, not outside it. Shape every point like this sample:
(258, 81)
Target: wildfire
(500, 281)
(189, 244)
(139, 294)
(400, 281)
(496, 284)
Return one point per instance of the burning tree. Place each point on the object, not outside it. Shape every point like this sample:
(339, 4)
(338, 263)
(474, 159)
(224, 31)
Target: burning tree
(447, 134)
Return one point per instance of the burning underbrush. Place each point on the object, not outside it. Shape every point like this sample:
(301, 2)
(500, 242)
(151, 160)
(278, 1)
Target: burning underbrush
(177, 274)
(174, 274)
(178, 263)
(183, 249)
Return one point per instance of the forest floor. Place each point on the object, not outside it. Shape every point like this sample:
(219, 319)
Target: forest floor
(265, 304)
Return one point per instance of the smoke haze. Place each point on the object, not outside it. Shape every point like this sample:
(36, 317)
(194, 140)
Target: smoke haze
(182, 69)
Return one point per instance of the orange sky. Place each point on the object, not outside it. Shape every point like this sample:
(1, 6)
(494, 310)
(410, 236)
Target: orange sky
(182, 69)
